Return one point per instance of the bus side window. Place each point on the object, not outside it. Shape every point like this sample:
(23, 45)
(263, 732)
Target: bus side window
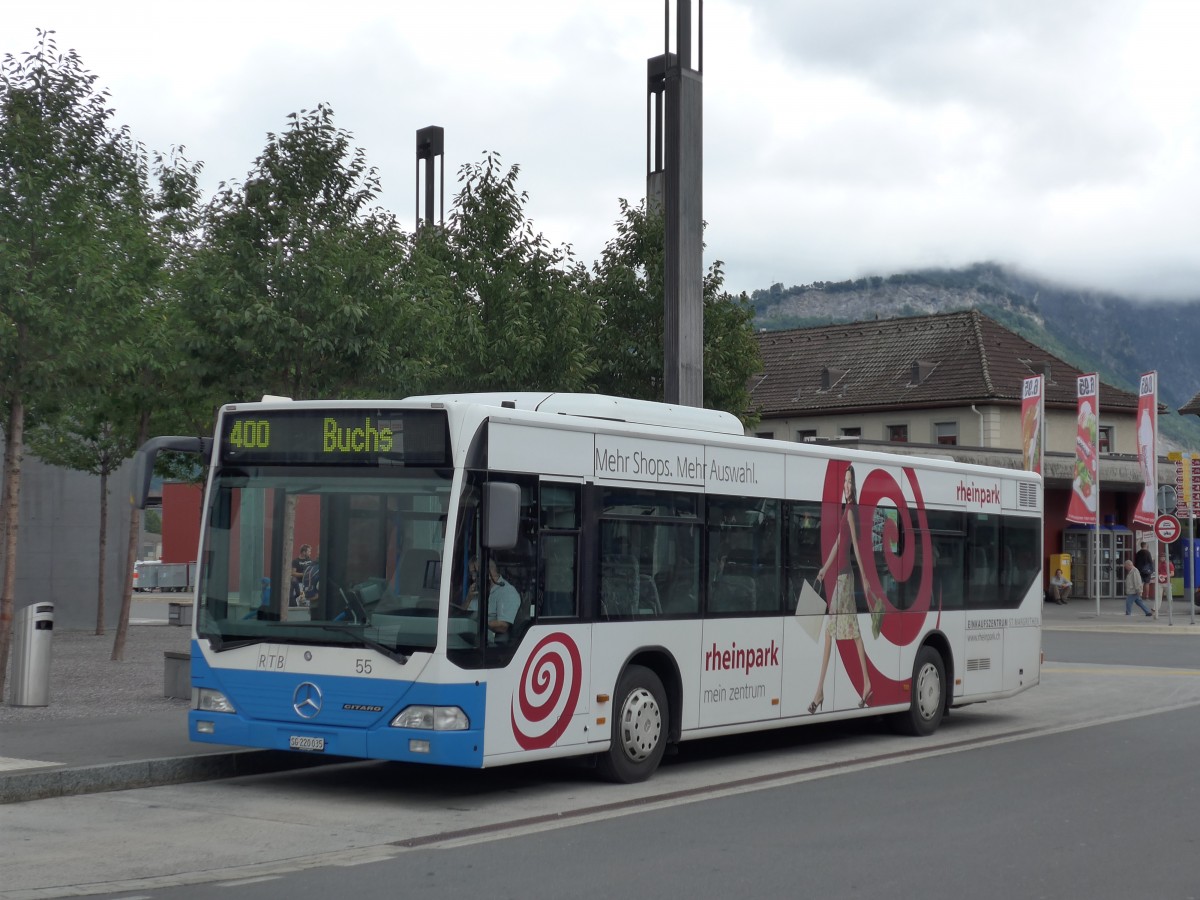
(1022, 542)
(803, 549)
(558, 575)
(677, 580)
(559, 547)
(984, 564)
(619, 585)
(648, 553)
(743, 555)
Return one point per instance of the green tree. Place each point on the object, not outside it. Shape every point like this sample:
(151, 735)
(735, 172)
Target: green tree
(627, 286)
(67, 182)
(507, 310)
(295, 288)
(101, 423)
(151, 384)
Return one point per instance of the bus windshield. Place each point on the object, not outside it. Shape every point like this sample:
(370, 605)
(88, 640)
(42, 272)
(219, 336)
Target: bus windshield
(324, 555)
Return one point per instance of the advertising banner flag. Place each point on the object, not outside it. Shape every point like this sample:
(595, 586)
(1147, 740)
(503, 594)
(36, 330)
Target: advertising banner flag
(1033, 422)
(1085, 489)
(1147, 449)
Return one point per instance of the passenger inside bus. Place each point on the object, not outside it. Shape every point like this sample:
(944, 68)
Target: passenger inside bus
(310, 583)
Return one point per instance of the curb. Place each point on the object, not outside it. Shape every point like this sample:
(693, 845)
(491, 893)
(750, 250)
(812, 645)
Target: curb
(44, 784)
(1105, 628)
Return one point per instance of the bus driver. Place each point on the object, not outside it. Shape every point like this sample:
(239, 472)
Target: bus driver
(502, 606)
(503, 601)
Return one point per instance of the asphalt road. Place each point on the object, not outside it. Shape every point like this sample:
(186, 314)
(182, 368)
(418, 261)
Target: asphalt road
(1166, 651)
(1082, 813)
(1081, 787)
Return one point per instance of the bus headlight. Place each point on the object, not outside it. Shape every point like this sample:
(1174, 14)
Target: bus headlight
(208, 700)
(432, 718)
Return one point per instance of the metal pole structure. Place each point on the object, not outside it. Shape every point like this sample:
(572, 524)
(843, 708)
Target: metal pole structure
(1168, 589)
(675, 92)
(431, 142)
(1188, 568)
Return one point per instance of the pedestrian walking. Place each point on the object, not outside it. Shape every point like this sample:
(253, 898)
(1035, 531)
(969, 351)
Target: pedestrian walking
(1133, 589)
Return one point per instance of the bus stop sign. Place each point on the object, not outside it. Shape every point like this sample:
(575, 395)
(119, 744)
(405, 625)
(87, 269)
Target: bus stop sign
(1166, 528)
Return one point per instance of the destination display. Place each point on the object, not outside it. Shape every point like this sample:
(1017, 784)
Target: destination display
(361, 436)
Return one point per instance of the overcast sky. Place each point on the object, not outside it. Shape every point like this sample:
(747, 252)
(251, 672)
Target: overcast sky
(841, 137)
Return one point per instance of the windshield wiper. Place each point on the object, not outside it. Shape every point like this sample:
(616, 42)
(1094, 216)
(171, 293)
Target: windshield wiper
(391, 654)
(220, 645)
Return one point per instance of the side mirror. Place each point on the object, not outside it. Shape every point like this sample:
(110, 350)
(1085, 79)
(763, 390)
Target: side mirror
(502, 514)
(143, 462)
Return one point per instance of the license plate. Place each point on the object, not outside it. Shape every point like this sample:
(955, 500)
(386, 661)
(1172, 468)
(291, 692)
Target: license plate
(297, 742)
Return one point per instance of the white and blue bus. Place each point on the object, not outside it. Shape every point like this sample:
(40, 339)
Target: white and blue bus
(485, 579)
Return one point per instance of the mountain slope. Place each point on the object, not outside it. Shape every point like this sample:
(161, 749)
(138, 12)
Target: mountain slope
(1119, 337)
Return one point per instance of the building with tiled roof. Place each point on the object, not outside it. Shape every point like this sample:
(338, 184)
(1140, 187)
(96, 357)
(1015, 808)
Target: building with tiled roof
(952, 378)
(948, 385)
(1191, 408)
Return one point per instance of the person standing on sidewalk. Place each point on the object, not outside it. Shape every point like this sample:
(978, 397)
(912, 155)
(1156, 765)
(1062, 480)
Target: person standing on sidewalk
(1133, 589)
(1166, 571)
(1143, 560)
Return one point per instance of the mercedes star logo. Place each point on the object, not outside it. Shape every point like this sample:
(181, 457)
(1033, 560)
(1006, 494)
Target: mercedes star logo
(307, 700)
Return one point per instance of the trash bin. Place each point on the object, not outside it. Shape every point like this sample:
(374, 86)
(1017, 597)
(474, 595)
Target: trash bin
(32, 629)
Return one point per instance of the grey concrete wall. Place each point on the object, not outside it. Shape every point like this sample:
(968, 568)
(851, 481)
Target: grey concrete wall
(58, 545)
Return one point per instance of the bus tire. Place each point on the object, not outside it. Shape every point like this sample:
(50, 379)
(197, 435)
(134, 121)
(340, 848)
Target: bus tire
(639, 728)
(924, 714)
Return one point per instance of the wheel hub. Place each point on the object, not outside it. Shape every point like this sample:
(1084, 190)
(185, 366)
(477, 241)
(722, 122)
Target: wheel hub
(641, 724)
(929, 692)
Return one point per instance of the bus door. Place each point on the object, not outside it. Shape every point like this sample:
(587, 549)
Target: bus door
(983, 669)
(515, 613)
(741, 672)
(947, 531)
(550, 699)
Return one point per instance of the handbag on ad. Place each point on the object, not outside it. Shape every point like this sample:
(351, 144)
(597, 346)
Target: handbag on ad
(811, 608)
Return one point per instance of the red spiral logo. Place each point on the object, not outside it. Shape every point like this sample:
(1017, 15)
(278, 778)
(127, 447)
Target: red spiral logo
(548, 692)
(906, 552)
(917, 548)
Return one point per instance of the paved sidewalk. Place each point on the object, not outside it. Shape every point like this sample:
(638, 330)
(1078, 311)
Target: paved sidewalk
(1080, 615)
(110, 727)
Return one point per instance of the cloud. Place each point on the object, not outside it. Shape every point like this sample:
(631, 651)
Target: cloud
(840, 138)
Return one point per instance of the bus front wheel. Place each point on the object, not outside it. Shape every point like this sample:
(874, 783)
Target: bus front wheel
(924, 715)
(639, 734)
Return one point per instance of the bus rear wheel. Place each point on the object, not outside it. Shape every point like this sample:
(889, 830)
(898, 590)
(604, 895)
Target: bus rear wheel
(924, 715)
(639, 734)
